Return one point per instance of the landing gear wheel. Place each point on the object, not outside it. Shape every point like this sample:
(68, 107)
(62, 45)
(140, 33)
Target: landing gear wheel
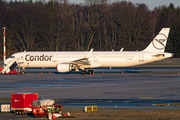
(20, 112)
(22, 73)
(83, 72)
(16, 112)
(90, 72)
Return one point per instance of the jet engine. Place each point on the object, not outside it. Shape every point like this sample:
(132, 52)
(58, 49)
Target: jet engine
(63, 67)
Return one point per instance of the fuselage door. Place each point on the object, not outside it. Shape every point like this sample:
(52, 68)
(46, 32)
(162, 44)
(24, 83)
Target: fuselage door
(95, 57)
(54, 58)
(141, 57)
(21, 59)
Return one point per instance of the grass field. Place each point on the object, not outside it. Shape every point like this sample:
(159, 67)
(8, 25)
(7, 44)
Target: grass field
(158, 105)
(126, 113)
(119, 113)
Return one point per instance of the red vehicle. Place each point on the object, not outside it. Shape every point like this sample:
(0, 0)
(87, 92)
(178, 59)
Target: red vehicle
(43, 111)
(11, 72)
(39, 111)
(22, 102)
(1, 68)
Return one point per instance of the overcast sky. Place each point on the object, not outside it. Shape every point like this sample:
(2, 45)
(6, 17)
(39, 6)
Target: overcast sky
(150, 3)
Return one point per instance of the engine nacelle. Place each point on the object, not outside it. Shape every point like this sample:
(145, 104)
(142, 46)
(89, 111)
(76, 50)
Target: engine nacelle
(63, 67)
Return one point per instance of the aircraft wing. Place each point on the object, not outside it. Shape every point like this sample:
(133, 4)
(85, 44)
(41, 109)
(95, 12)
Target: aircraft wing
(82, 61)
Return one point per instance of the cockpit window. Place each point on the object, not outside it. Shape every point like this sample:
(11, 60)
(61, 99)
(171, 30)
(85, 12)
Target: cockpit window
(12, 56)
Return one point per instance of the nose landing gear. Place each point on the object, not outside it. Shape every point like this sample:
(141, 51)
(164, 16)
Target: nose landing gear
(23, 71)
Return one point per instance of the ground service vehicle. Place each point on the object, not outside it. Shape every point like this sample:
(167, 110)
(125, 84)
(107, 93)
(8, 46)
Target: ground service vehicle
(22, 102)
(43, 111)
(11, 72)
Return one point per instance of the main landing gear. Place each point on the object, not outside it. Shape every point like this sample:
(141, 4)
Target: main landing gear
(84, 72)
(23, 73)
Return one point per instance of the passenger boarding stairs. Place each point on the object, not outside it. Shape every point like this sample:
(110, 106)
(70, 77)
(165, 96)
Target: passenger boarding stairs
(10, 66)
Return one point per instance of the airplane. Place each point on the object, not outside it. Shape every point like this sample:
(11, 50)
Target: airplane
(67, 61)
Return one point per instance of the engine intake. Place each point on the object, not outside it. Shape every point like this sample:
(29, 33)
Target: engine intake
(63, 67)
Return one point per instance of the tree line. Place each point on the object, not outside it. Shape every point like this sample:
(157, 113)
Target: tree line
(60, 26)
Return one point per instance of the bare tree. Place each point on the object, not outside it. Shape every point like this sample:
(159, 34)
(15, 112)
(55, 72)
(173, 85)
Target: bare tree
(24, 21)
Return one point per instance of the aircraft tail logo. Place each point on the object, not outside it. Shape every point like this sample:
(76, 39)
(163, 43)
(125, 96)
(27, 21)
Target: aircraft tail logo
(159, 42)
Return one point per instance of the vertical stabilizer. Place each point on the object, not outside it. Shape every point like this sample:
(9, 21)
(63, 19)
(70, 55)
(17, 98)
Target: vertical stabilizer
(159, 42)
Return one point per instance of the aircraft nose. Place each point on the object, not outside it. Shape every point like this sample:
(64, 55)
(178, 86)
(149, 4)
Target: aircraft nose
(7, 61)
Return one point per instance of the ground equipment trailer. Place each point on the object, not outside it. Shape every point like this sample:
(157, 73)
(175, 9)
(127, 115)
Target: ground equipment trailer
(39, 111)
(43, 111)
(22, 102)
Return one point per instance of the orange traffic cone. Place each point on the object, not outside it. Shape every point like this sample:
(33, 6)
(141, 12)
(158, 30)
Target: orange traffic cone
(41, 73)
(122, 72)
(65, 114)
(50, 72)
(39, 76)
(103, 73)
(53, 117)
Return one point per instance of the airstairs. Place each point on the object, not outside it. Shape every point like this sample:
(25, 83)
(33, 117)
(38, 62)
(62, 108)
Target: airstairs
(10, 66)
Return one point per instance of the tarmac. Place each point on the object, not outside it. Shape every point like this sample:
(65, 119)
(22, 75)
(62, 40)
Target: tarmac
(98, 86)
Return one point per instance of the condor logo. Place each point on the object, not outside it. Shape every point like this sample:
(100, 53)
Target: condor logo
(160, 41)
(29, 57)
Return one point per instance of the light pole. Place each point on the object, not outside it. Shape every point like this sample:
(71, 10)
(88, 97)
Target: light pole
(4, 45)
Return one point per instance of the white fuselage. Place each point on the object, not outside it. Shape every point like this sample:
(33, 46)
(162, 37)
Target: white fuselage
(96, 59)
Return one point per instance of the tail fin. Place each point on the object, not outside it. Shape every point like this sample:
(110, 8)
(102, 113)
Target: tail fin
(159, 42)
